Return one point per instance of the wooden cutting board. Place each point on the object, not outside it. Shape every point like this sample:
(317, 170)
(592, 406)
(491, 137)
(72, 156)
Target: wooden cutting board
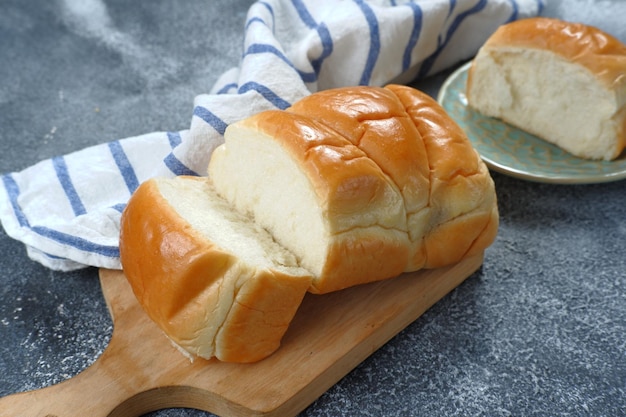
(140, 371)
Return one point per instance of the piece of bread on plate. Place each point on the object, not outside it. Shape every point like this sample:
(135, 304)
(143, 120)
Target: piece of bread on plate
(563, 82)
(346, 187)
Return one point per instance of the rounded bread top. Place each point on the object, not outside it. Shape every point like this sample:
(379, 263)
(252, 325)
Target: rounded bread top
(598, 51)
(375, 121)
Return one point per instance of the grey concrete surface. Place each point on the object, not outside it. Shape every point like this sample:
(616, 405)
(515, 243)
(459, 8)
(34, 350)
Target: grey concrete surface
(539, 330)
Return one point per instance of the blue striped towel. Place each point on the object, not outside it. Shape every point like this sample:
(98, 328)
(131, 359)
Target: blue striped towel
(66, 210)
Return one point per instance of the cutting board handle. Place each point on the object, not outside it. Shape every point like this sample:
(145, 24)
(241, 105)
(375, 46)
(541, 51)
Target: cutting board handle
(90, 393)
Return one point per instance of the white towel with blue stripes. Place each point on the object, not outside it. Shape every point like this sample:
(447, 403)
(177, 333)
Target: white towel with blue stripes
(66, 210)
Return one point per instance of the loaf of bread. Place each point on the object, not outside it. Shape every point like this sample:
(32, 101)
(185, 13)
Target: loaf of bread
(346, 187)
(563, 82)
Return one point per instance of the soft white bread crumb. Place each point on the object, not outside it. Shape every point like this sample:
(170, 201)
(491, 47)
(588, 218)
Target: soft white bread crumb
(206, 212)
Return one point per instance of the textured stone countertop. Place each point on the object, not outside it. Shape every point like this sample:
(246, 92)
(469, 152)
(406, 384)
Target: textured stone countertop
(539, 330)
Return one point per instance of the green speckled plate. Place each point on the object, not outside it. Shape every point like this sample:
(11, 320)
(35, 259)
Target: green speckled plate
(514, 152)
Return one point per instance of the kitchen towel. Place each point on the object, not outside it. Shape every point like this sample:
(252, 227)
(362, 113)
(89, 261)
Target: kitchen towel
(66, 210)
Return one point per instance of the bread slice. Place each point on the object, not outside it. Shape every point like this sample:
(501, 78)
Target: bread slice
(563, 82)
(214, 281)
(317, 194)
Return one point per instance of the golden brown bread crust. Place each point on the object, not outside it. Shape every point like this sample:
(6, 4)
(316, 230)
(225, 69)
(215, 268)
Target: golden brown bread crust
(601, 53)
(463, 218)
(177, 276)
(375, 121)
(150, 230)
(260, 315)
(428, 156)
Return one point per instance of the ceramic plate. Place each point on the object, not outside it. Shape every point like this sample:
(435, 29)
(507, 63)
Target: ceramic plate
(514, 152)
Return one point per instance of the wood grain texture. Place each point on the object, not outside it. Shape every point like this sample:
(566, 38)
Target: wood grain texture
(140, 371)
